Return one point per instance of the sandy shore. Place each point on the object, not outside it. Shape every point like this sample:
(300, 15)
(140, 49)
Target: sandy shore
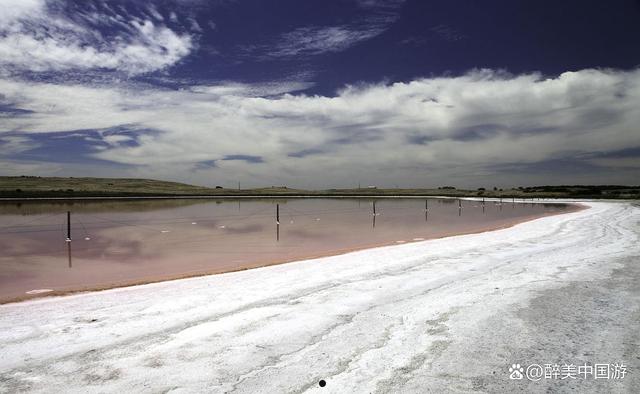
(445, 315)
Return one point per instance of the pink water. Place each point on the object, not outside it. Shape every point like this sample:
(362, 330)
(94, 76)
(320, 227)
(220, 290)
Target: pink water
(129, 242)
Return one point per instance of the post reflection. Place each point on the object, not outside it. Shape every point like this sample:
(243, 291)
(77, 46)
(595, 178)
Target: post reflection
(69, 254)
(374, 214)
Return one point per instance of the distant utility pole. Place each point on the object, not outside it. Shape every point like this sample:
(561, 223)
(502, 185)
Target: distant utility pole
(238, 185)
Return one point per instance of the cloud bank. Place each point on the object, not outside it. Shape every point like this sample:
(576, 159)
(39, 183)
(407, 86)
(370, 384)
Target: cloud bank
(482, 128)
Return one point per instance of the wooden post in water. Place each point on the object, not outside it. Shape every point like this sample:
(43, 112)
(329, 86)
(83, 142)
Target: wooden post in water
(426, 205)
(374, 214)
(277, 222)
(68, 226)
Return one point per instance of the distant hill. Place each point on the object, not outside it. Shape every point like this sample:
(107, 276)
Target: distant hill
(45, 187)
(53, 186)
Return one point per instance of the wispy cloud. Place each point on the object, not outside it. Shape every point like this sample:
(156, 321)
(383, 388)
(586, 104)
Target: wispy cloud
(39, 35)
(315, 40)
(13, 144)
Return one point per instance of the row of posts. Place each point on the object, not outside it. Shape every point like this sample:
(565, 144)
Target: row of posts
(373, 207)
(426, 209)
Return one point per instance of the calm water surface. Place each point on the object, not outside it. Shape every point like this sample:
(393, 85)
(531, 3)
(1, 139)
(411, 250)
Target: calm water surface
(117, 243)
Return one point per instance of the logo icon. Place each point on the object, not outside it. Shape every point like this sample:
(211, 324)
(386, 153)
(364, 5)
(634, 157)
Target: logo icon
(515, 372)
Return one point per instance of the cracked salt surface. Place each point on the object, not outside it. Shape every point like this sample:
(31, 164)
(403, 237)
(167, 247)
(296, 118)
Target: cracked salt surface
(443, 315)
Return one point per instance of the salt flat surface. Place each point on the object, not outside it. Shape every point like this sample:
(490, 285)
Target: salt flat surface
(446, 315)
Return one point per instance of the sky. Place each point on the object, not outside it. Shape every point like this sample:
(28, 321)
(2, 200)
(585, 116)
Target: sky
(322, 93)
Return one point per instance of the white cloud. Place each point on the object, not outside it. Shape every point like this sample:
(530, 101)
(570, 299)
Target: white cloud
(316, 40)
(17, 9)
(35, 36)
(116, 139)
(15, 144)
(253, 90)
(420, 132)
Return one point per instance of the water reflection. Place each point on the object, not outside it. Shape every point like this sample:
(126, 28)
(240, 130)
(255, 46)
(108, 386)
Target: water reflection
(374, 214)
(69, 253)
(113, 244)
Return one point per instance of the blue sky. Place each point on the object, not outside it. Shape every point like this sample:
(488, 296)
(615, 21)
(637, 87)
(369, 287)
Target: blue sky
(322, 94)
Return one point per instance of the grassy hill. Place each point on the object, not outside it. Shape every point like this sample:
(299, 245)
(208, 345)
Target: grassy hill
(43, 187)
(46, 186)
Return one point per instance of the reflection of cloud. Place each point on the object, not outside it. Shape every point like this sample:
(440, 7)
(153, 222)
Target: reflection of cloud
(126, 251)
(250, 228)
(423, 129)
(305, 234)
